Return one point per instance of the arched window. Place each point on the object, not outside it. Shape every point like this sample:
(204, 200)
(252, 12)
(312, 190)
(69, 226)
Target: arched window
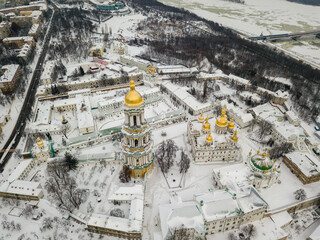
(136, 142)
(134, 120)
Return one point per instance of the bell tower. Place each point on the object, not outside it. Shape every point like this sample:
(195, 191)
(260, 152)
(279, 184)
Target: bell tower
(136, 144)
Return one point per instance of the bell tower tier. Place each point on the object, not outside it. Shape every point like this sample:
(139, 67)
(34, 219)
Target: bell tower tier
(136, 143)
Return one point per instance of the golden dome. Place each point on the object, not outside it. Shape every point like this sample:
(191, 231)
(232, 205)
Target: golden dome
(234, 137)
(223, 121)
(264, 154)
(250, 153)
(201, 118)
(133, 98)
(206, 126)
(231, 124)
(209, 139)
(40, 143)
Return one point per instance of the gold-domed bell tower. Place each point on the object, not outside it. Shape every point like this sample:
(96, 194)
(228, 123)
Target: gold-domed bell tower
(222, 123)
(137, 145)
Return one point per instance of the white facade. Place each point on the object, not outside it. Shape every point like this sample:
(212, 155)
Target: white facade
(212, 213)
(222, 149)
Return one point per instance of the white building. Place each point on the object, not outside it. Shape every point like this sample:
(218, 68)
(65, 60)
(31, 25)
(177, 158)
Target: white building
(265, 172)
(242, 118)
(17, 187)
(82, 106)
(259, 171)
(185, 99)
(46, 76)
(211, 213)
(219, 147)
(133, 61)
(42, 151)
(127, 228)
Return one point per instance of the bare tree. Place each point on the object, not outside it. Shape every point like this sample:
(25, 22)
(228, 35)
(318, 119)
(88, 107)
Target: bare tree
(117, 212)
(300, 194)
(250, 231)
(125, 175)
(184, 163)
(264, 127)
(165, 154)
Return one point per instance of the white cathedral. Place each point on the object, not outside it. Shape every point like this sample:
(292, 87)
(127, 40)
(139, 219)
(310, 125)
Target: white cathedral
(214, 145)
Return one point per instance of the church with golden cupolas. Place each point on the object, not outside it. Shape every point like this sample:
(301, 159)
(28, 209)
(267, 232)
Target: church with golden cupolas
(214, 140)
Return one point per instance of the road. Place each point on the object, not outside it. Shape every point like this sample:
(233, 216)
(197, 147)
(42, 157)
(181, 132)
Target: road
(28, 101)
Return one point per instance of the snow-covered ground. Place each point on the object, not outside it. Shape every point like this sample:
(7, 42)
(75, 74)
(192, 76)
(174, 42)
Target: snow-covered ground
(256, 16)
(259, 16)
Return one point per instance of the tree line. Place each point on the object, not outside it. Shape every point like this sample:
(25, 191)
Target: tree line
(249, 59)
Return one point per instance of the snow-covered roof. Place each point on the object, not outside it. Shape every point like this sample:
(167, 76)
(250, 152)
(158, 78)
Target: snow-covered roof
(97, 46)
(134, 194)
(15, 175)
(169, 69)
(281, 219)
(24, 38)
(217, 205)
(84, 115)
(268, 112)
(134, 59)
(315, 235)
(9, 72)
(48, 69)
(127, 192)
(22, 187)
(292, 116)
(308, 164)
(173, 216)
(245, 117)
(34, 28)
(233, 176)
(185, 97)
(217, 138)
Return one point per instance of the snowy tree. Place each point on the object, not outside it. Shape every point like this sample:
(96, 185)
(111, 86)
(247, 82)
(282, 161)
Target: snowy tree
(117, 212)
(264, 127)
(300, 194)
(249, 230)
(46, 224)
(232, 236)
(64, 142)
(184, 163)
(125, 175)
(280, 150)
(28, 211)
(71, 161)
(165, 154)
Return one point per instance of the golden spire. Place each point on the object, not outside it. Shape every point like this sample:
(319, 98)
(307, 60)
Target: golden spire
(133, 98)
(201, 118)
(209, 139)
(231, 124)
(63, 118)
(223, 120)
(235, 137)
(206, 126)
(40, 143)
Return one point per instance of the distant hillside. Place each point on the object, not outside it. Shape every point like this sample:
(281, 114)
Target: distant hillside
(307, 2)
